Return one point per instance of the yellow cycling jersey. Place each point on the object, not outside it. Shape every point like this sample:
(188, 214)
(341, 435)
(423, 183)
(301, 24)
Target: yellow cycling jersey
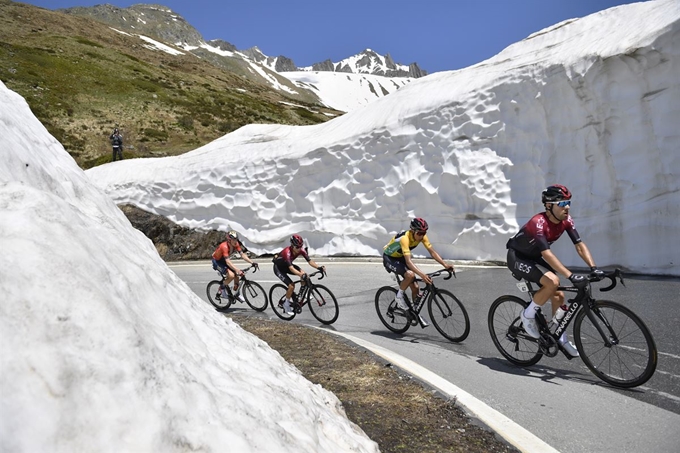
(403, 243)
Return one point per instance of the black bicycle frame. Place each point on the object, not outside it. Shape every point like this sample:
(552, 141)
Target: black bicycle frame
(429, 290)
(583, 300)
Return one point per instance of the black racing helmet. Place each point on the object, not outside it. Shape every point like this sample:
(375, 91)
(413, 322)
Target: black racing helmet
(556, 192)
(419, 224)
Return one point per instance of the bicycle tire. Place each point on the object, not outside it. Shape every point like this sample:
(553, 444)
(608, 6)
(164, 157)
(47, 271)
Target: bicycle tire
(323, 305)
(629, 363)
(255, 295)
(449, 316)
(385, 304)
(507, 334)
(214, 296)
(277, 293)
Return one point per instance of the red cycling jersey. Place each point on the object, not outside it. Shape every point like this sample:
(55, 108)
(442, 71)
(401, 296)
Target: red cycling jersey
(539, 233)
(223, 251)
(288, 255)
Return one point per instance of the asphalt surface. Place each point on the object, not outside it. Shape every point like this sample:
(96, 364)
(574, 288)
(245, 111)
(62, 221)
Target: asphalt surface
(556, 403)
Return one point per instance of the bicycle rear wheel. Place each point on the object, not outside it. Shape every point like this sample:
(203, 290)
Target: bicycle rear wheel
(255, 295)
(395, 319)
(214, 296)
(505, 327)
(323, 305)
(632, 360)
(277, 295)
(449, 316)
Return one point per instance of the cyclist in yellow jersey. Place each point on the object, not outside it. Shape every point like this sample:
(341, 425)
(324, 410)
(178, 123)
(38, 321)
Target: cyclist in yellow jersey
(397, 259)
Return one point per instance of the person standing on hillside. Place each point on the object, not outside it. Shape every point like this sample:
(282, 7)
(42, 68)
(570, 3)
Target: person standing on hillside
(530, 257)
(117, 143)
(397, 259)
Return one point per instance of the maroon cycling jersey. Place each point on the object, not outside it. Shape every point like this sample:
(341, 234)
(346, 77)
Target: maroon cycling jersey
(288, 255)
(539, 233)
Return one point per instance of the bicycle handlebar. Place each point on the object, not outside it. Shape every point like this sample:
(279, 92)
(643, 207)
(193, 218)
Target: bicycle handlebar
(440, 271)
(611, 275)
(321, 271)
(452, 273)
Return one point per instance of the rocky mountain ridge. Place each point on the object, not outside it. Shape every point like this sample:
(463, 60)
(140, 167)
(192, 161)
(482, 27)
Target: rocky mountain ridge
(161, 22)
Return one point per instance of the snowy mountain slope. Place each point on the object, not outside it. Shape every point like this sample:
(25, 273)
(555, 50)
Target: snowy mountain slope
(592, 104)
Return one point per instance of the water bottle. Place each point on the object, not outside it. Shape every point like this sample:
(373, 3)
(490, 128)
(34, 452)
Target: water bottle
(559, 314)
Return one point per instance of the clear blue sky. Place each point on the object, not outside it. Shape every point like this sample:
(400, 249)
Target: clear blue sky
(439, 35)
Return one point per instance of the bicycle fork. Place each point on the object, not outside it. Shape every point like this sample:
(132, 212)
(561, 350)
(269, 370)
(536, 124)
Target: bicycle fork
(594, 315)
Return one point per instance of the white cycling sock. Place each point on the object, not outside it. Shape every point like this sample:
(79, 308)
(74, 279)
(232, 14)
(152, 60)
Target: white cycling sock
(400, 294)
(530, 311)
(563, 338)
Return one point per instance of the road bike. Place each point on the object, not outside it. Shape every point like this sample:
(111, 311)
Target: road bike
(612, 341)
(447, 313)
(253, 293)
(321, 301)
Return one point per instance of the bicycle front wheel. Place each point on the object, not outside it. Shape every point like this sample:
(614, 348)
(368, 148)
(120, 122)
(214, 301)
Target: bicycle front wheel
(449, 316)
(395, 319)
(323, 305)
(277, 295)
(507, 334)
(628, 357)
(255, 295)
(214, 296)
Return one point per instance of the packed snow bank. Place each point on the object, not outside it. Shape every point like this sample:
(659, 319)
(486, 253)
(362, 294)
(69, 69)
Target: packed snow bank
(105, 349)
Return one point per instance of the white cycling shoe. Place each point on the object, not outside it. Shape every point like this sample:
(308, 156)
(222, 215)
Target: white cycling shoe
(530, 326)
(570, 348)
(401, 303)
(287, 309)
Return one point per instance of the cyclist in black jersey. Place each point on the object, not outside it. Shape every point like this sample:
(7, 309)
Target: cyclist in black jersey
(530, 248)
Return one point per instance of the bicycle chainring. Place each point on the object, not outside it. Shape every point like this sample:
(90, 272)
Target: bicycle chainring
(548, 345)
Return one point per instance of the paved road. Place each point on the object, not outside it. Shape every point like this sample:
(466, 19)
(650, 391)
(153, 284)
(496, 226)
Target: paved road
(558, 400)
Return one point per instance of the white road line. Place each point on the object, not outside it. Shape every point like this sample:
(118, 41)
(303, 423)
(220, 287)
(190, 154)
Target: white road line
(517, 436)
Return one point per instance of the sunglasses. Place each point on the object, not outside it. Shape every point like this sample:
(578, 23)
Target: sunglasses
(561, 204)
(421, 233)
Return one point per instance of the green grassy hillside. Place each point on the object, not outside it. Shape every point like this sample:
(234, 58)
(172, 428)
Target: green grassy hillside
(81, 78)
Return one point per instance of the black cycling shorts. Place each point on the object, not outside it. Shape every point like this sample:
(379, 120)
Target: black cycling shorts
(282, 272)
(523, 267)
(396, 265)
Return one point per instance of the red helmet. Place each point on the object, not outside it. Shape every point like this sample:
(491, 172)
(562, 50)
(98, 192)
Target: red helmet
(555, 192)
(296, 240)
(419, 224)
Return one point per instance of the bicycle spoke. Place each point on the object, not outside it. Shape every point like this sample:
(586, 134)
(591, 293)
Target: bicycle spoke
(507, 334)
(630, 359)
(389, 315)
(255, 296)
(449, 316)
(323, 305)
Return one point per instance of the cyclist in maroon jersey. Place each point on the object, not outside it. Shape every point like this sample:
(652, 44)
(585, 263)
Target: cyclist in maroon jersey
(283, 266)
(530, 257)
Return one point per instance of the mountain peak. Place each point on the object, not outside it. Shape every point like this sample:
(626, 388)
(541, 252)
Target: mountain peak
(369, 62)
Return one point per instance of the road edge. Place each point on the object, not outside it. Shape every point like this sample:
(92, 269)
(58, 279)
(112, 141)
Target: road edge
(511, 432)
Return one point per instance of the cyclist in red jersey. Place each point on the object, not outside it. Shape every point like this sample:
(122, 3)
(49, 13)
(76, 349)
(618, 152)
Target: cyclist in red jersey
(530, 248)
(283, 266)
(221, 261)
